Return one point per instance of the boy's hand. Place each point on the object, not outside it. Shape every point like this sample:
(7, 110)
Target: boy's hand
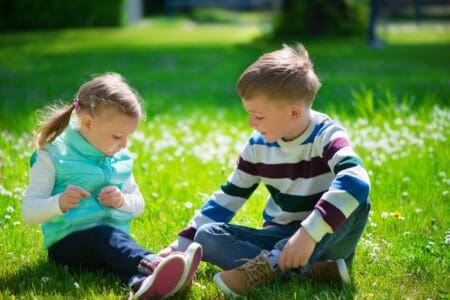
(71, 197)
(111, 196)
(166, 251)
(297, 250)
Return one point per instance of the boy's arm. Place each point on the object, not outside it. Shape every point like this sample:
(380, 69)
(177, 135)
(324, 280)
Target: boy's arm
(347, 191)
(38, 205)
(349, 188)
(224, 203)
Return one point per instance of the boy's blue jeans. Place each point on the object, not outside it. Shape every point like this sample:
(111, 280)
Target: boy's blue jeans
(229, 246)
(101, 247)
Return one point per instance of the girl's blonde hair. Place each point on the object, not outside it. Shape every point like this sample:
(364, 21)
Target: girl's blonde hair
(109, 90)
(286, 74)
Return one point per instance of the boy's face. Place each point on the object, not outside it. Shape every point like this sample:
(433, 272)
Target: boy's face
(274, 120)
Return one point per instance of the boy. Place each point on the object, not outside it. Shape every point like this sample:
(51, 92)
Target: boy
(318, 204)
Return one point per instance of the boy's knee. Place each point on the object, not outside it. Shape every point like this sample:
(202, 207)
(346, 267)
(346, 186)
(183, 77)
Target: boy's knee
(209, 235)
(206, 232)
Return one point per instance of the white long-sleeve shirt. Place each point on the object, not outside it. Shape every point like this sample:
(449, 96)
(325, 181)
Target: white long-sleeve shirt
(39, 206)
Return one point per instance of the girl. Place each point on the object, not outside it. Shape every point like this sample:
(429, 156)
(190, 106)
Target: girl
(81, 189)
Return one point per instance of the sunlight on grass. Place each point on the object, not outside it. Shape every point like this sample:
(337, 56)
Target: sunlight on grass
(415, 33)
(394, 104)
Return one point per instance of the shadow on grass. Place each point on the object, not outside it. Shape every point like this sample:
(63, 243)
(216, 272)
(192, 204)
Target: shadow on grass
(47, 279)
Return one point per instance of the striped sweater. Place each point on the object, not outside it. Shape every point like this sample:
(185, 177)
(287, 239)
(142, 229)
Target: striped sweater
(316, 179)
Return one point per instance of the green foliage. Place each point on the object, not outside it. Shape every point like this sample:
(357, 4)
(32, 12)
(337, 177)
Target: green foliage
(394, 103)
(321, 17)
(40, 14)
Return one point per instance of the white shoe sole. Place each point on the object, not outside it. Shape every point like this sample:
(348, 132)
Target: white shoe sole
(223, 287)
(343, 271)
(147, 284)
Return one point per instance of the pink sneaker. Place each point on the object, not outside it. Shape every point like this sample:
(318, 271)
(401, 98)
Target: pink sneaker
(167, 278)
(192, 256)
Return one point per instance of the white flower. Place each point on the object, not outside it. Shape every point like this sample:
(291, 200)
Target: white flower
(188, 205)
(44, 279)
(76, 285)
(10, 209)
(384, 215)
(447, 239)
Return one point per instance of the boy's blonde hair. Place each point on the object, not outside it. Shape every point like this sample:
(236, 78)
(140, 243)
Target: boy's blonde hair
(109, 90)
(286, 74)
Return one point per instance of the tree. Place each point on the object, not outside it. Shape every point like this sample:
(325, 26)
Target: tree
(322, 17)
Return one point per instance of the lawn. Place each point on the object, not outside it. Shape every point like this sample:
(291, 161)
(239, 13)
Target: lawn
(394, 102)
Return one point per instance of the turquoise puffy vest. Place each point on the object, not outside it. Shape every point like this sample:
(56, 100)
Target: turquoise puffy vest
(78, 163)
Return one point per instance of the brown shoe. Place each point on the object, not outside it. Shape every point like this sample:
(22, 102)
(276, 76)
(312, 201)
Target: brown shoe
(254, 273)
(329, 271)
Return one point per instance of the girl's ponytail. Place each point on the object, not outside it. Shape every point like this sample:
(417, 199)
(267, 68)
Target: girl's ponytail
(56, 121)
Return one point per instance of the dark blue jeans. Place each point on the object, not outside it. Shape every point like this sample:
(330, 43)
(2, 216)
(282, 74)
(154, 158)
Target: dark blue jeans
(229, 246)
(101, 247)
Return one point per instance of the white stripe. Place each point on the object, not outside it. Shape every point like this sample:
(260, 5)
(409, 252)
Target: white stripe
(229, 202)
(358, 171)
(283, 217)
(275, 155)
(341, 200)
(301, 186)
(242, 179)
(199, 219)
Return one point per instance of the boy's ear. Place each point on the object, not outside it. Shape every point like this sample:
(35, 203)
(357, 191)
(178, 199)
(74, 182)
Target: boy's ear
(295, 111)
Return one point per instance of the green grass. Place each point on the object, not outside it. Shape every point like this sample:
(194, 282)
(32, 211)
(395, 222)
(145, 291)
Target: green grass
(395, 104)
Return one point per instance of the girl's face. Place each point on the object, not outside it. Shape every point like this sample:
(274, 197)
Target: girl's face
(273, 120)
(108, 131)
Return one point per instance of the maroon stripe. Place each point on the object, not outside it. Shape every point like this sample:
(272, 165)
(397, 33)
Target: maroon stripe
(303, 169)
(334, 146)
(188, 232)
(331, 214)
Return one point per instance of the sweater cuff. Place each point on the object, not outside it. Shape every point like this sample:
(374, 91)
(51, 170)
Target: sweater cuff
(316, 226)
(180, 244)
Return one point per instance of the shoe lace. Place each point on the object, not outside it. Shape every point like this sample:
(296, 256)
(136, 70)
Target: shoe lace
(258, 271)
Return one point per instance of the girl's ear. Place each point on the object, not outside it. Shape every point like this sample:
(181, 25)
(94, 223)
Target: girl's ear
(86, 121)
(295, 111)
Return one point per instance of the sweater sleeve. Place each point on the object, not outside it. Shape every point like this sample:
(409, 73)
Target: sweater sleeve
(134, 202)
(225, 202)
(349, 188)
(38, 205)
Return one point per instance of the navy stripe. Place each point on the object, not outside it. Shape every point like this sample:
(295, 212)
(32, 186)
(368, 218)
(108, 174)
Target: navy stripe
(318, 129)
(356, 187)
(216, 212)
(236, 191)
(303, 169)
(267, 217)
(294, 203)
(258, 139)
(331, 214)
(347, 163)
(334, 146)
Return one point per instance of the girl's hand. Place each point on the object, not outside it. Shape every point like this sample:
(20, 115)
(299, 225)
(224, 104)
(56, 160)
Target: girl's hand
(71, 197)
(297, 250)
(111, 196)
